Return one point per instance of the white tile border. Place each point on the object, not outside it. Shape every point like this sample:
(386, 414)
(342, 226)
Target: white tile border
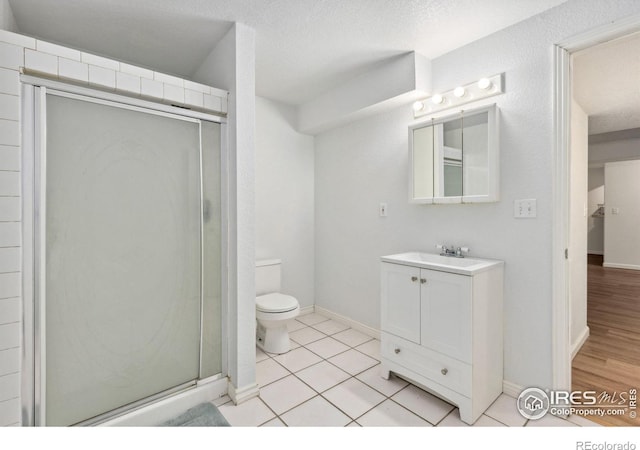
(102, 76)
(194, 98)
(17, 51)
(128, 82)
(74, 70)
(9, 361)
(11, 56)
(10, 310)
(168, 79)
(9, 288)
(10, 235)
(17, 39)
(197, 87)
(151, 88)
(58, 50)
(9, 132)
(100, 61)
(10, 158)
(9, 82)
(9, 411)
(134, 70)
(173, 93)
(41, 62)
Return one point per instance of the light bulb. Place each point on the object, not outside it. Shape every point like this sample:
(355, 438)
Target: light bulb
(484, 84)
(418, 106)
(459, 91)
(437, 99)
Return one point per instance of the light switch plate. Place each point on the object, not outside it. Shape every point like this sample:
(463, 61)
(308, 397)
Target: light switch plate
(383, 210)
(525, 208)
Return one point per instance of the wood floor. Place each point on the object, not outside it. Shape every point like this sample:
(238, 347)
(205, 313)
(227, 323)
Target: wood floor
(609, 361)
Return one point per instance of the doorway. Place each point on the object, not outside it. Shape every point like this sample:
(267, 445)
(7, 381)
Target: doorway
(602, 297)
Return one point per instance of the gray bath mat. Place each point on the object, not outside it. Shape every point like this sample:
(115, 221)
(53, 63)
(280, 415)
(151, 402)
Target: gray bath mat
(202, 415)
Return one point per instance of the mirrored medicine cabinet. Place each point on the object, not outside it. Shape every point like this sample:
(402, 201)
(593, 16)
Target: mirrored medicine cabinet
(454, 158)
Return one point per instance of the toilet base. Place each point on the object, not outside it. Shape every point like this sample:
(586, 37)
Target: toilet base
(273, 339)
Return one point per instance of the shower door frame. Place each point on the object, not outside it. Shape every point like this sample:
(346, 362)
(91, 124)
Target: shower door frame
(34, 93)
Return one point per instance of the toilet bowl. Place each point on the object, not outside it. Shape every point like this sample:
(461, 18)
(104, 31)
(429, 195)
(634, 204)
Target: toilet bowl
(273, 309)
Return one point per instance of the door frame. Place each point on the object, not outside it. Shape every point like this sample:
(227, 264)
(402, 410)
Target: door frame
(561, 318)
(33, 132)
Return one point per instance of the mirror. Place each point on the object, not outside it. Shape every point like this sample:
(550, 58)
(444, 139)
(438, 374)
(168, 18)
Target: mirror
(454, 159)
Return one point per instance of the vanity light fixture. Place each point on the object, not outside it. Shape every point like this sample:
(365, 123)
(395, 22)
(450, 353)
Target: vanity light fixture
(478, 90)
(437, 99)
(484, 84)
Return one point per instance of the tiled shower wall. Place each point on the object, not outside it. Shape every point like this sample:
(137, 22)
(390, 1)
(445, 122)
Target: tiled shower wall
(17, 52)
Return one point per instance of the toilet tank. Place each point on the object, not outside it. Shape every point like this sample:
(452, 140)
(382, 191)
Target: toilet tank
(268, 276)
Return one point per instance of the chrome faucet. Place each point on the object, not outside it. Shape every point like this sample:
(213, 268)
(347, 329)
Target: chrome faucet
(458, 252)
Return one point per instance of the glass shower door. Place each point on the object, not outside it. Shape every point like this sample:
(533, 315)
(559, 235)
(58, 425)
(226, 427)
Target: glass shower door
(122, 282)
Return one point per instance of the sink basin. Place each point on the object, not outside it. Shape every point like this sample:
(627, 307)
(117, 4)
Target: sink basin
(433, 261)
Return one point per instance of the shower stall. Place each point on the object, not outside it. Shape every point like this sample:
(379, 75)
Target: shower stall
(124, 241)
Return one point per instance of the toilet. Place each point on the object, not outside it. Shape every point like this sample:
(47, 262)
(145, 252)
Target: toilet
(273, 309)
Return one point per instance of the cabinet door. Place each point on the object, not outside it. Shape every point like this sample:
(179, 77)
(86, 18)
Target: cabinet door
(400, 295)
(446, 313)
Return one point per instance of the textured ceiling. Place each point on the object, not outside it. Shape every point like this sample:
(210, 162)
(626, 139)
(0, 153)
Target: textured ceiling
(303, 47)
(607, 84)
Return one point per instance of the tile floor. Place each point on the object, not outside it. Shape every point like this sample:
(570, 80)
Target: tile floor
(330, 377)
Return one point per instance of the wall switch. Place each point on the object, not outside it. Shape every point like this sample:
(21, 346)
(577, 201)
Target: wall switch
(525, 208)
(383, 210)
(615, 210)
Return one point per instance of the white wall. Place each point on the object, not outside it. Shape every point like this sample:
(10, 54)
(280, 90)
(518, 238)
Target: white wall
(285, 198)
(595, 239)
(578, 158)
(622, 192)
(599, 154)
(618, 150)
(231, 65)
(365, 163)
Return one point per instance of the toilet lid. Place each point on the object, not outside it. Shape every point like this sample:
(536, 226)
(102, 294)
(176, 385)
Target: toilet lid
(276, 302)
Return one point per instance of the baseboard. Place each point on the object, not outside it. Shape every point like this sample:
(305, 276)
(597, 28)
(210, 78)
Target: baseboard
(369, 331)
(306, 310)
(241, 395)
(575, 348)
(511, 389)
(621, 266)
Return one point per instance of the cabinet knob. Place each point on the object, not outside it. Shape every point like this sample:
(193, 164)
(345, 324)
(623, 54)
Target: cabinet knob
(423, 280)
(414, 278)
(444, 371)
(397, 350)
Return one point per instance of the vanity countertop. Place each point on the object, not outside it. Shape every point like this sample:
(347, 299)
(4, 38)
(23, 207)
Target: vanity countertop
(434, 261)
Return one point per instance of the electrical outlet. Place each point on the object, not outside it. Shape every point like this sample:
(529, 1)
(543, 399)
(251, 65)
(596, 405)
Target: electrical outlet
(525, 208)
(383, 210)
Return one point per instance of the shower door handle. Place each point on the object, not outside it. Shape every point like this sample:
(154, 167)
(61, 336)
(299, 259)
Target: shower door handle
(206, 210)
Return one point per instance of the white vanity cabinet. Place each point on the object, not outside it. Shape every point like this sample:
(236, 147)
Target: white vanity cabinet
(442, 327)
